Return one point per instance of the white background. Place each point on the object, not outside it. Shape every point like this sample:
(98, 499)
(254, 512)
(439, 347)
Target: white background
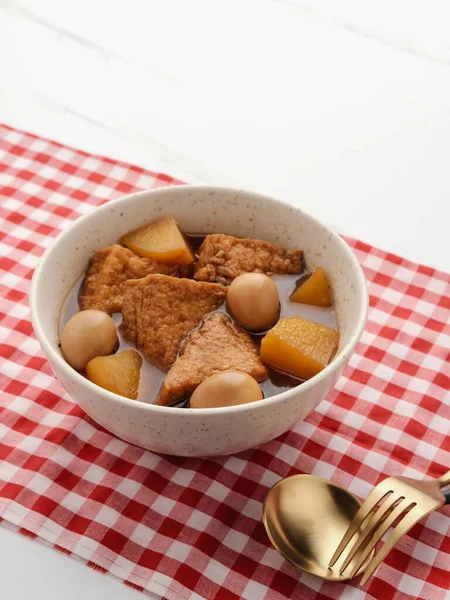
(342, 108)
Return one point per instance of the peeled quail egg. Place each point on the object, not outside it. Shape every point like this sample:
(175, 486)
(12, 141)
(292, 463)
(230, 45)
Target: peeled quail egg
(253, 301)
(88, 334)
(226, 389)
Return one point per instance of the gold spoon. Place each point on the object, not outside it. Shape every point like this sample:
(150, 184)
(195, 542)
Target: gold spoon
(305, 518)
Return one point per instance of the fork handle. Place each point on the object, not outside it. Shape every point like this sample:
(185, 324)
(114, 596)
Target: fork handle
(447, 496)
(444, 480)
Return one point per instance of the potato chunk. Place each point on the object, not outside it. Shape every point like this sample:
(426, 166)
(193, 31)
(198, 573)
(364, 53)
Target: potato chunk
(299, 347)
(161, 240)
(313, 290)
(118, 373)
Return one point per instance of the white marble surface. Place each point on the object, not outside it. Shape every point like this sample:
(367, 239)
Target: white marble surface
(340, 107)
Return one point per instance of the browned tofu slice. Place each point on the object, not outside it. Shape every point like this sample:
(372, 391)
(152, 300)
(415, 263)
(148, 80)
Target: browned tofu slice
(109, 268)
(223, 257)
(219, 345)
(159, 311)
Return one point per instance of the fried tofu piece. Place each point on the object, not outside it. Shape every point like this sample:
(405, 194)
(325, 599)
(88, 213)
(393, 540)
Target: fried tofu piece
(159, 311)
(218, 345)
(109, 268)
(223, 257)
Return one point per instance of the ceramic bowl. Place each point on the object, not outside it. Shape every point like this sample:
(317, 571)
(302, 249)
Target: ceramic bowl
(198, 432)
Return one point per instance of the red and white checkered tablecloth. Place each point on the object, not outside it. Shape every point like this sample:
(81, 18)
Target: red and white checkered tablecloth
(191, 528)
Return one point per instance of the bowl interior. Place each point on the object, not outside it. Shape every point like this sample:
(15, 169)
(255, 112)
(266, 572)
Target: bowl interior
(199, 210)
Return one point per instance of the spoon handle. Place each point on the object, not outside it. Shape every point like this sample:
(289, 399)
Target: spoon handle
(444, 480)
(447, 496)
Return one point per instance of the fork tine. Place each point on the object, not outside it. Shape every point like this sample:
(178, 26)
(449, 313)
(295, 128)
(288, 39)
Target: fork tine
(368, 505)
(403, 527)
(383, 526)
(373, 522)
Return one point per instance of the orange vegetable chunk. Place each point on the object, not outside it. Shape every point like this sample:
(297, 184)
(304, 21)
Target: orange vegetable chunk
(313, 290)
(299, 347)
(161, 240)
(118, 373)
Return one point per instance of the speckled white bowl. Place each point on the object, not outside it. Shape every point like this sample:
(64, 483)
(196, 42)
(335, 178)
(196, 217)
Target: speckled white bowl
(201, 432)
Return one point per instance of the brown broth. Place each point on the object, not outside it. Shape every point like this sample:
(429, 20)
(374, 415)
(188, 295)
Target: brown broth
(152, 377)
(195, 240)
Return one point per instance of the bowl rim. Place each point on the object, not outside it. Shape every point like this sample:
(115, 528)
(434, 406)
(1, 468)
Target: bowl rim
(54, 356)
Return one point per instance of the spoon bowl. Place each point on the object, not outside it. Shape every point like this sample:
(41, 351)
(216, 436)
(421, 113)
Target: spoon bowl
(305, 518)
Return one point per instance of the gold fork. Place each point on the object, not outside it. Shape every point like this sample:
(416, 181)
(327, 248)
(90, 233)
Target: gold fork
(393, 498)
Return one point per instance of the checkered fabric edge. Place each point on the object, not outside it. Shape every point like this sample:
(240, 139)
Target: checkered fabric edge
(191, 528)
